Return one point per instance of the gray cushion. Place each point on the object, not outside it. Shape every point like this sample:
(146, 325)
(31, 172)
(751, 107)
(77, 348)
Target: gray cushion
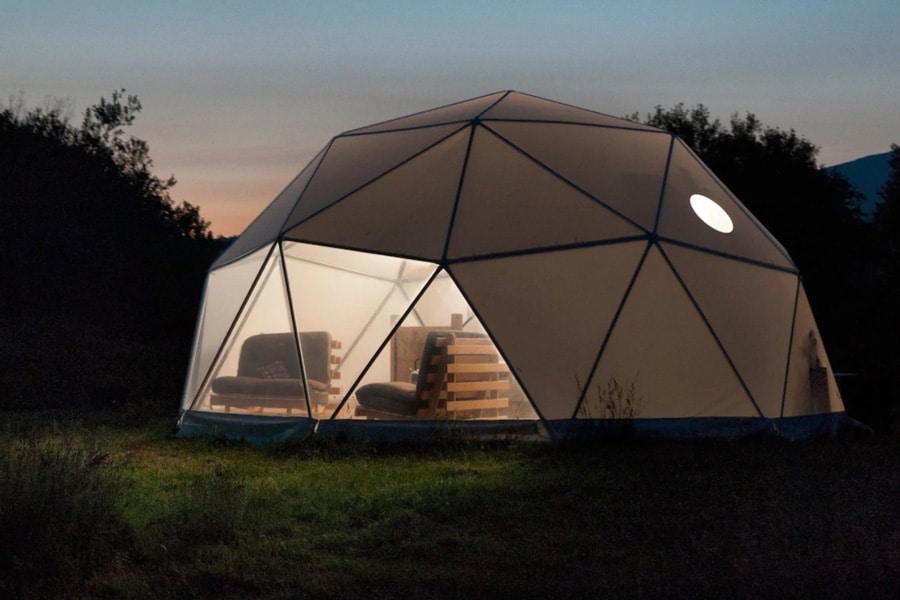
(398, 398)
(258, 386)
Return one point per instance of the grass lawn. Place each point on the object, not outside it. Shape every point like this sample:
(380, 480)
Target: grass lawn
(513, 519)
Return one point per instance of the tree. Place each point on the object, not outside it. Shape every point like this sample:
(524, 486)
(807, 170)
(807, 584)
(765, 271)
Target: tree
(88, 227)
(101, 268)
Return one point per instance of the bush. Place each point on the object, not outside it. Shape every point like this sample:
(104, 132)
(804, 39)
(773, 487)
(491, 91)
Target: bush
(60, 519)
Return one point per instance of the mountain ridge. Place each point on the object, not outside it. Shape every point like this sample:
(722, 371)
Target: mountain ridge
(867, 175)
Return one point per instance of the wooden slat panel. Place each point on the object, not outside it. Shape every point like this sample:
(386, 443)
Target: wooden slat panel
(477, 386)
(481, 367)
(320, 409)
(454, 405)
(361, 411)
(257, 400)
(248, 402)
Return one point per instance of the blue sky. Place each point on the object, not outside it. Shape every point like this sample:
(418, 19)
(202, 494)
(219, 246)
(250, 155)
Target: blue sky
(238, 96)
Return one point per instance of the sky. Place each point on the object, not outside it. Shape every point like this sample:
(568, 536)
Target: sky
(238, 96)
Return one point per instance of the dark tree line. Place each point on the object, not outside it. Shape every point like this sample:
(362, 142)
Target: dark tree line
(101, 269)
(887, 293)
(88, 231)
(850, 267)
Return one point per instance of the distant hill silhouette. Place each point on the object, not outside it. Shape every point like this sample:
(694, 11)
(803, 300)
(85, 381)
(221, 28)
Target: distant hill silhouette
(867, 175)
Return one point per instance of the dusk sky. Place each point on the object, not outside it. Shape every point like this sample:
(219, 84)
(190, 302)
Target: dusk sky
(239, 96)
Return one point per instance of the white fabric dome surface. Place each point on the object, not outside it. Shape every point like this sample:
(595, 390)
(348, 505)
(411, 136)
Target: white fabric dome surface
(607, 277)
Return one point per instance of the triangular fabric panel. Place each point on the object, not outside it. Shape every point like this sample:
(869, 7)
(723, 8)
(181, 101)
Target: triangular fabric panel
(354, 160)
(622, 169)
(226, 289)
(452, 113)
(811, 386)
(661, 360)
(509, 202)
(266, 313)
(687, 176)
(347, 294)
(266, 227)
(406, 212)
(550, 312)
(751, 309)
(517, 106)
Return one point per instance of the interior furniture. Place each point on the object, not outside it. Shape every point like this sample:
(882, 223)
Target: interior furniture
(269, 374)
(460, 376)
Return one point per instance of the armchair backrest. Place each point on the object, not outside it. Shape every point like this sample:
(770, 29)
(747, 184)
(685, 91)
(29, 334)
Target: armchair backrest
(262, 350)
(432, 365)
(431, 382)
(316, 349)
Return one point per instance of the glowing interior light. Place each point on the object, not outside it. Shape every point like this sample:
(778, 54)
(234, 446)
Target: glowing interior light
(711, 213)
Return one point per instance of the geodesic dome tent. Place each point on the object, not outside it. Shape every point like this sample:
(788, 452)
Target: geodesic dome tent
(502, 262)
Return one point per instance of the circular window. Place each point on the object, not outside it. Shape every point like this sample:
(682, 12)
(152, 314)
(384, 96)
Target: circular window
(711, 213)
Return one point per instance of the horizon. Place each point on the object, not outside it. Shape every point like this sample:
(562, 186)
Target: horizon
(237, 100)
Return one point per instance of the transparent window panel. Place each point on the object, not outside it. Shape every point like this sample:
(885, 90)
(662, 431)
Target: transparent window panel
(444, 298)
(407, 212)
(748, 239)
(550, 313)
(452, 113)
(441, 366)
(510, 202)
(661, 360)
(622, 169)
(368, 264)
(811, 387)
(751, 309)
(259, 369)
(353, 161)
(356, 298)
(518, 106)
(266, 227)
(226, 289)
